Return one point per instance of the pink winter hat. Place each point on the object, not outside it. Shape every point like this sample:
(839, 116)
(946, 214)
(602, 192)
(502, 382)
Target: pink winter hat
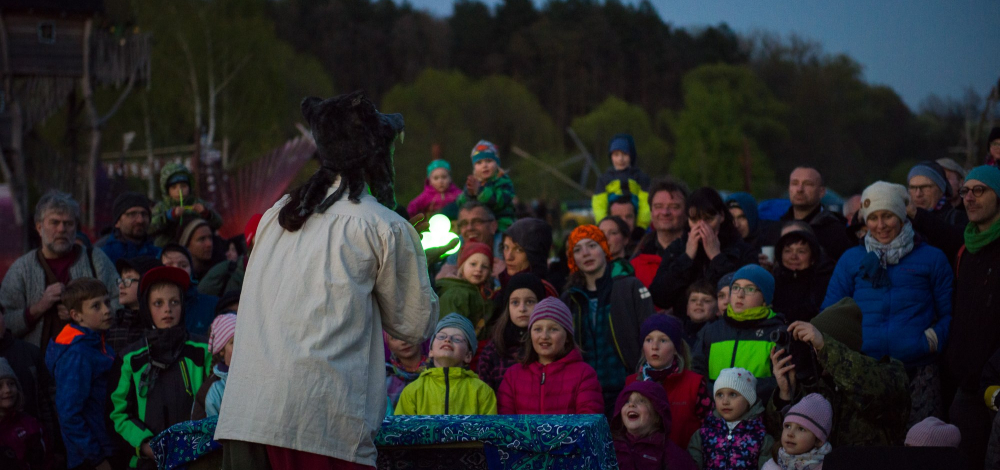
(814, 413)
(932, 432)
(223, 329)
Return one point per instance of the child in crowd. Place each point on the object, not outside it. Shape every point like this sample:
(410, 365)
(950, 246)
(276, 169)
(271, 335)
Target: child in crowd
(199, 309)
(178, 205)
(470, 293)
(804, 435)
(81, 364)
(640, 426)
(665, 362)
(932, 432)
(522, 294)
(702, 309)
(449, 388)
(489, 184)
(552, 377)
(161, 373)
(722, 294)
(439, 191)
(733, 436)
(624, 164)
(743, 337)
(405, 363)
(22, 445)
(208, 401)
(125, 325)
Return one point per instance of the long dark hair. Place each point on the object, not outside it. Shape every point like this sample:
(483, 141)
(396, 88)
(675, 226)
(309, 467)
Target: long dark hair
(707, 201)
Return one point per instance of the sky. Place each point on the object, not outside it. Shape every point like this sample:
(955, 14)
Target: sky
(917, 47)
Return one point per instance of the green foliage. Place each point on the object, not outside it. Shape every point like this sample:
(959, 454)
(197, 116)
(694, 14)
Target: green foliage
(447, 109)
(727, 112)
(615, 116)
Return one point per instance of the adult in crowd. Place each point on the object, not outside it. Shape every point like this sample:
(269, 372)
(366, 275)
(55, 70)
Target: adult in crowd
(903, 287)
(130, 237)
(975, 326)
(199, 309)
(930, 210)
(526, 246)
(956, 176)
(993, 147)
(743, 207)
(616, 232)
(801, 275)
(806, 189)
(32, 288)
(476, 223)
(608, 310)
(869, 396)
(197, 238)
(667, 204)
(358, 270)
(624, 207)
(228, 275)
(711, 249)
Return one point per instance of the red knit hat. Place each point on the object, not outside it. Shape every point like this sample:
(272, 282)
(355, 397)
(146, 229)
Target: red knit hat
(579, 233)
(472, 248)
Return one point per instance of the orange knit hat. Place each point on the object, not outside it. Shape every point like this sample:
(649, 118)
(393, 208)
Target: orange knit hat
(581, 232)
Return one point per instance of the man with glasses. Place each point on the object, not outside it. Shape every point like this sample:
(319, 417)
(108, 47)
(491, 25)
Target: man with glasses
(931, 211)
(31, 293)
(975, 324)
(476, 223)
(130, 238)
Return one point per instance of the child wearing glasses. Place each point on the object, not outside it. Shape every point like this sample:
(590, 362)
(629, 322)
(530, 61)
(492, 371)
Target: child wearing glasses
(743, 337)
(449, 387)
(161, 373)
(125, 325)
(552, 377)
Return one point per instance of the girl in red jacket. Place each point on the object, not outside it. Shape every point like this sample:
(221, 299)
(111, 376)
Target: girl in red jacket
(552, 378)
(666, 359)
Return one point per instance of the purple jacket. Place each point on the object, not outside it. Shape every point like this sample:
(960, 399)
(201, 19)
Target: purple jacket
(430, 201)
(655, 451)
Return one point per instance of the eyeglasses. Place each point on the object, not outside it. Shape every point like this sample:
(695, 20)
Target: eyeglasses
(465, 223)
(748, 290)
(127, 282)
(918, 188)
(976, 190)
(455, 339)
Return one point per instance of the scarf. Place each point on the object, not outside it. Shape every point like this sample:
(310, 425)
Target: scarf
(164, 350)
(806, 461)
(976, 240)
(875, 264)
(659, 375)
(753, 313)
(408, 375)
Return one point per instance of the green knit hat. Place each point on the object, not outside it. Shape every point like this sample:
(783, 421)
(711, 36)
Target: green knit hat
(842, 322)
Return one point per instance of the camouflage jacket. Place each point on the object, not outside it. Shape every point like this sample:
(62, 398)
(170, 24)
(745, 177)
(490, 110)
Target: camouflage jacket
(497, 193)
(871, 403)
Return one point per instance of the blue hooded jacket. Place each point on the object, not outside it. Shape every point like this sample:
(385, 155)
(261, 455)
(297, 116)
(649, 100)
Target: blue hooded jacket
(625, 143)
(81, 365)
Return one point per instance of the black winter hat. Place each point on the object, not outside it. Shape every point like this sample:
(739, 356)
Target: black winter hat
(128, 200)
(140, 264)
(524, 281)
(535, 237)
(227, 299)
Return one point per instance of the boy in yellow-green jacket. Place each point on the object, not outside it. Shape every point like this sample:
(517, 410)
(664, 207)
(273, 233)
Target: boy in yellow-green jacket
(449, 388)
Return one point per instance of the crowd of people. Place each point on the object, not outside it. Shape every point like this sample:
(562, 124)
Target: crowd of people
(708, 336)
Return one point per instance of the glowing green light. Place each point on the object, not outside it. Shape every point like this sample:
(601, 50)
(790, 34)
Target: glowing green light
(439, 235)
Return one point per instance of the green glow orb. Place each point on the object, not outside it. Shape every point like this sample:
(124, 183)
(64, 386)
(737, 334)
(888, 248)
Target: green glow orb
(439, 235)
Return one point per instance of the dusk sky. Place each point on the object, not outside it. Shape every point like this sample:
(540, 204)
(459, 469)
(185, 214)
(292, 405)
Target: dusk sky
(917, 47)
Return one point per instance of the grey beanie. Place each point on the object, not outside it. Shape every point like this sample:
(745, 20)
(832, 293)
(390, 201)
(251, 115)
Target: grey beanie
(454, 320)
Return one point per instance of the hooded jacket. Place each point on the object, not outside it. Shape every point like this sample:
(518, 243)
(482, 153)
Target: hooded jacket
(747, 445)
(757, 226)
(631, 173)
(430, 201)
(447, 391)
(566, 386)
(81, 365)
(799, 293)
(652, 452)
(32, 373)
(459, 296)
(163, 224)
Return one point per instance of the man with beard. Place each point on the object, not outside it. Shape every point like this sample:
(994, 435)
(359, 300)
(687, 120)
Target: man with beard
(130, 237)
(476, 223)
(332, 269)
(31, 292)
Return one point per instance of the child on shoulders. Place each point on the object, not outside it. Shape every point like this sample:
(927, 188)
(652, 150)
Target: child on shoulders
(439, 191)
(733, 436)
(449, 387)
(552, 377)
(178, 205)
(489, 184)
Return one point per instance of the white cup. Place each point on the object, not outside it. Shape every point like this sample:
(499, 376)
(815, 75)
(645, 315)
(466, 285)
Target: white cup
(768, 251)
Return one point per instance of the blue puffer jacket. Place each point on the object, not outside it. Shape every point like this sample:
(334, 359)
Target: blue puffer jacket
(81, 364)
(895, 317)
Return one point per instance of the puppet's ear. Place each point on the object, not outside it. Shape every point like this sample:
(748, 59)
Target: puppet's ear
(309, 105)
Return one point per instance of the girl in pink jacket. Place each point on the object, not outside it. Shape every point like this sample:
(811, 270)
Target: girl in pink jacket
(439, 191)
(552, 379)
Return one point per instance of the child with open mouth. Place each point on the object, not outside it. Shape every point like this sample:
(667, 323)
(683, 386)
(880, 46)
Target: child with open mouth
(641, 428)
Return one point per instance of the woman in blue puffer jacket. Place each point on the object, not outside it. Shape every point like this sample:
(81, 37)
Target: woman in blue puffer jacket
(903, 287)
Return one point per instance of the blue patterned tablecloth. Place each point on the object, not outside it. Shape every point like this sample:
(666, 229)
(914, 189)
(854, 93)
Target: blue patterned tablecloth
(526, 442)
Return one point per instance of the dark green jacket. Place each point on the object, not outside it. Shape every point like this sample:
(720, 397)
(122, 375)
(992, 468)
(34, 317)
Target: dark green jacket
(729, 343)
(462, 297)
(870, 399)
(223, 277)
(139, 413)
(497, 194)
(162, 225)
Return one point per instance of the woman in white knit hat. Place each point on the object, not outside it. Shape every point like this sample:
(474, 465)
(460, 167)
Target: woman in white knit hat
(903, 287)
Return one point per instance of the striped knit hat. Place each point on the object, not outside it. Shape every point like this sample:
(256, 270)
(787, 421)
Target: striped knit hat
(485, 149)
(814, 413)
(223, 329)
(551, 308)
